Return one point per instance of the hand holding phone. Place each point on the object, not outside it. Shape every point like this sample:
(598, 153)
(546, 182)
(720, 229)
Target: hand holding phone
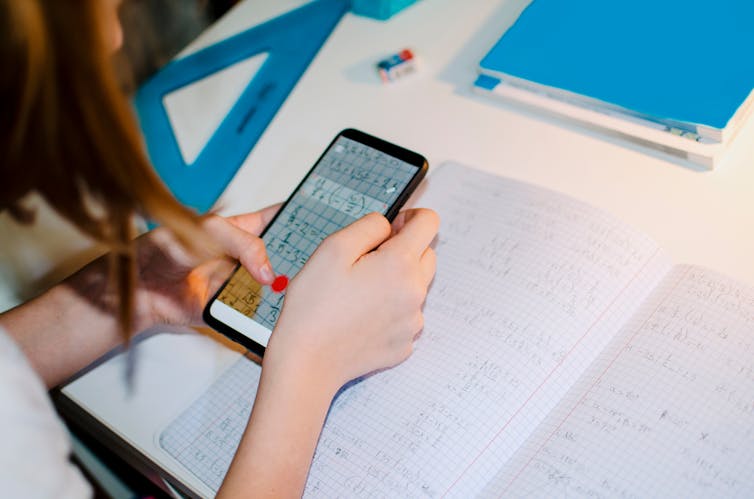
(358, 174)
(355, 307)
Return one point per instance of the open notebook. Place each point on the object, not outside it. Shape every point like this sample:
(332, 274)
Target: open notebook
(562, 354)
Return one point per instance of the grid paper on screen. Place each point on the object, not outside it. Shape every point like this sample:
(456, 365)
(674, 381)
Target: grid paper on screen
(530, 286)
(350, 181)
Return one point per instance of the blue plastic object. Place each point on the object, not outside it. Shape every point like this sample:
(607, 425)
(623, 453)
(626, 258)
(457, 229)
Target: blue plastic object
(677, 62)
(291, 41)
(379, 9)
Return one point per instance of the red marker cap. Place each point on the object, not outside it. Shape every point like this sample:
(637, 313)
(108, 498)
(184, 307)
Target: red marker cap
(279, 284)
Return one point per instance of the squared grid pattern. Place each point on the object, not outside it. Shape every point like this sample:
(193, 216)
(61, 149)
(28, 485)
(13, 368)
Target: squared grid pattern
(667, 410)
(205, 436)
(525, 278)
(527, 281)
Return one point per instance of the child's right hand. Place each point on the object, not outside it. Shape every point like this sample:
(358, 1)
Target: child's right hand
(349, 311)
(352, 310)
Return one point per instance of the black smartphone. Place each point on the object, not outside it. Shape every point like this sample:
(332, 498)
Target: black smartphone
(356, 175)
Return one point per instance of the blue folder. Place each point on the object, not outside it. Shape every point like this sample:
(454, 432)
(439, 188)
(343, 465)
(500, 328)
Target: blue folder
(685, 63)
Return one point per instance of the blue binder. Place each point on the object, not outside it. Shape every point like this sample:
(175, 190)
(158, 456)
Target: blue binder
(291, 41)
(682, 63)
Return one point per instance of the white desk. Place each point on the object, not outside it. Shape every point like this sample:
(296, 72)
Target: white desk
(704, 218)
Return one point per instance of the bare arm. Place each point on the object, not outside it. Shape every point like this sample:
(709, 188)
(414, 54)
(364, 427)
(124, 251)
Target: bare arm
(67, 327)
(276, 450)
(349, 311)
(72, 324)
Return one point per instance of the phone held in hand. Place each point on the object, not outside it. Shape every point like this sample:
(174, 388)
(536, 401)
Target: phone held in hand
(356, 175)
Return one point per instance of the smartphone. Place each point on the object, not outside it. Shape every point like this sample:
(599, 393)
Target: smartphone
(356, 175)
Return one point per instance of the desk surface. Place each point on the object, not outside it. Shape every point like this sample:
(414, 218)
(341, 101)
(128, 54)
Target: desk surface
(703, 218)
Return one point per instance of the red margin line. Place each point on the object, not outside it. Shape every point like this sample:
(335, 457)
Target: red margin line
(557, 366)
(587, 392)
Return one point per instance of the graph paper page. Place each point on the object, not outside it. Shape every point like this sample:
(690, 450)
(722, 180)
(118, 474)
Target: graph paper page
(530, 286)
(204, 437)
(667, 411)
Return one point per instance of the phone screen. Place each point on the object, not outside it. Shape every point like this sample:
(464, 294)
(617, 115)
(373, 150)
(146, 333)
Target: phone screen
(351, 179)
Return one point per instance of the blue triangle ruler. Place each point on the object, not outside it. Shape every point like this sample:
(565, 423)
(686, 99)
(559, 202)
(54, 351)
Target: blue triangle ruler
(291, 42)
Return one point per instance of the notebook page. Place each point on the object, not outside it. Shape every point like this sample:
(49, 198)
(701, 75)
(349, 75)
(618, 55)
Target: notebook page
(530, 286)
(667, 410)
(204, 438)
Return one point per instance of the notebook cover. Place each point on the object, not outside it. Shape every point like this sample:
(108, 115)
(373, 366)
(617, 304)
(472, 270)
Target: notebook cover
(680, 60)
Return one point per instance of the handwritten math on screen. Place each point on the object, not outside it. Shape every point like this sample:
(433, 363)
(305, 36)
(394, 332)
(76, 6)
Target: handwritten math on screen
(351, 181)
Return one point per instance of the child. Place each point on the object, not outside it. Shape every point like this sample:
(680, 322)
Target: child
(67, 133)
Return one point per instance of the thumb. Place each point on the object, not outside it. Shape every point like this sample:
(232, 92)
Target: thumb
(359, 238)
(242, 246)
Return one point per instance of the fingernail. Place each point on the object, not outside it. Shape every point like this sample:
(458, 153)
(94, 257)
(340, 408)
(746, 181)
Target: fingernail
(266, 272)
